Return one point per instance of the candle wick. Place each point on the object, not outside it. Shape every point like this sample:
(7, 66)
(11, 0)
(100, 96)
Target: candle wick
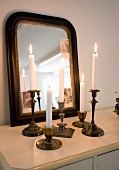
(49, 86)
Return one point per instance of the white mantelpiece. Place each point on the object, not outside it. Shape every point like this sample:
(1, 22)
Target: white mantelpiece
(20, 152)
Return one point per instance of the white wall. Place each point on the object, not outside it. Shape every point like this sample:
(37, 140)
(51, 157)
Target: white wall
(94, 20)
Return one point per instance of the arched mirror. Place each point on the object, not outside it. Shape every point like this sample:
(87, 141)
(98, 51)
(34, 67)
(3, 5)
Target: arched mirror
(53, 42)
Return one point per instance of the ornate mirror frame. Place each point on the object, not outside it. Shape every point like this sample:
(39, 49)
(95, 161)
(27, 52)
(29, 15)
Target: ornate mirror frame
(17, 117)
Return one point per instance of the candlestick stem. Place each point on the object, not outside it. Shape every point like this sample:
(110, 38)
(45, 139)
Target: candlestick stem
(92, 130)
(94, 101)
(61, 130)
(38, 94)
(32, 130)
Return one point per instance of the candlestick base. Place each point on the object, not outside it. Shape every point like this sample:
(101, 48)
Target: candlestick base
(49, 143)
(32, 130)
(93, 131)
(81, 123)
(66, 133)
(39, 98)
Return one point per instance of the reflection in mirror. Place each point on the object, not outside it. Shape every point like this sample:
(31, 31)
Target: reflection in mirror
(50, 47)
(51, 39)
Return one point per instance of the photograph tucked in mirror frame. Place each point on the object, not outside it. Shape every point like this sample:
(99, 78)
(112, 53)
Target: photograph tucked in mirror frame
(18, 117)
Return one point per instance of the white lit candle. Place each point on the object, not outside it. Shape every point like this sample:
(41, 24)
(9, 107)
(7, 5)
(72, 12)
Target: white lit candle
(61, 83)
(36, 77)
(82, 86)
(23, 79)
(32, 70)
(94, 67)
(49, 108)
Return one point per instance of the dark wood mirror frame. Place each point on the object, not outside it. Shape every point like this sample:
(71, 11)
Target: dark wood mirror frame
(18, 118)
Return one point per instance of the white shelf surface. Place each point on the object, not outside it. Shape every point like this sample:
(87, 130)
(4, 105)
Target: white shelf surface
(21, 152)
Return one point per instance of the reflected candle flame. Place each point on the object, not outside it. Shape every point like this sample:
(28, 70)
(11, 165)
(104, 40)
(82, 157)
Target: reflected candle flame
(82, 77)
(30, 49)
(23, 72)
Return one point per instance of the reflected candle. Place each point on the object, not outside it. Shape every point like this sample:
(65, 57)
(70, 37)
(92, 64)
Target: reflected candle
(32, 69)
(23, 78)
(49, 108)
(61, 83)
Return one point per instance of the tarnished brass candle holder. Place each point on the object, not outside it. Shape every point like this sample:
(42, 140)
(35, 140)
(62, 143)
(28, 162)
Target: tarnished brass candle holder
(61, 124)
(117, 106)
(92, 130)
(48, 143)
(32, 130)
(61, 130)
(38, 94)
(81, 123)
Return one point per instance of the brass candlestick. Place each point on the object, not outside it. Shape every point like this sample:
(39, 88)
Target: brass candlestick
(61, 130)
(48, 143)
(92, 130)
(38, 94)
(81, 123)
(117, 106)
(61, 114)
(32, 130)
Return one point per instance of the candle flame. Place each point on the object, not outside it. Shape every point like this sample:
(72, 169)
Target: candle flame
(23, 72)
(95, 48)
(30, 49)
(82, 77)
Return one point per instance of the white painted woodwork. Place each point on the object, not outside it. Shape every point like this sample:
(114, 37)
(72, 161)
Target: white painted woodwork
(20, 152)
(109, 161)
(82, 165)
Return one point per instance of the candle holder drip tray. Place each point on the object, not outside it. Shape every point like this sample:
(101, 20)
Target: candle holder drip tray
(66, 133)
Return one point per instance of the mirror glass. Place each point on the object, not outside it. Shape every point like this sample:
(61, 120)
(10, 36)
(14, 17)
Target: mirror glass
(50, 47)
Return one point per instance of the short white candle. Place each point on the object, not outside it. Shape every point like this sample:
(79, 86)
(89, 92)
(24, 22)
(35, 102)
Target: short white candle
(32, 70)
(82, 86)
(94, 68)
(61, 83)
(49, 108)
(23, 79)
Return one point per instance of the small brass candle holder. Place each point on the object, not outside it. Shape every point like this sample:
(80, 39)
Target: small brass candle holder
(32, 130)
(61, 130)
(38, 94)
(117, 106)
(48, 143)
(61, 114)
(92, 130)
(81, 123)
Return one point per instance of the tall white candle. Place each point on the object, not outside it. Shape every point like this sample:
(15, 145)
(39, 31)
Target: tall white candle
(49, 108)
(94, 67)
(61, 83)
(32, 70)
(23, 79)
(36, 77)
(82, 86)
